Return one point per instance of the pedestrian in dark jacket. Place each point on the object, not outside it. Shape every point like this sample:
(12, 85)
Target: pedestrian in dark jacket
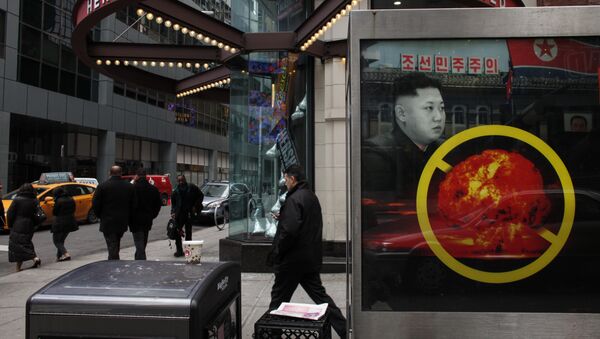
(184, 198)
(113, 202)
(297, 254)
(2, 214)
(21, 218)
(148, 207)
(64, 222)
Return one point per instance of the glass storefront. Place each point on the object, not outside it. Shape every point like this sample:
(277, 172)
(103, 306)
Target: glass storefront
(480, 175)
(268, 112)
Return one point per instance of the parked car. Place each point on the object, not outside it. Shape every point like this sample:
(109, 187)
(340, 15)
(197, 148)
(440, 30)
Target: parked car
(223, 200)
(82, 194)
(162, 182)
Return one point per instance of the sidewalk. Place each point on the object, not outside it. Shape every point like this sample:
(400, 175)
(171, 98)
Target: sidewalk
(256, 287)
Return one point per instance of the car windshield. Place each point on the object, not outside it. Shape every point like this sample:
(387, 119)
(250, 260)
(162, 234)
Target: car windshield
(217, 191)
(13, 194)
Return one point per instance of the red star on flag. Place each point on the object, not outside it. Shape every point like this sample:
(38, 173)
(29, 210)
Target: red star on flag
(545, 48)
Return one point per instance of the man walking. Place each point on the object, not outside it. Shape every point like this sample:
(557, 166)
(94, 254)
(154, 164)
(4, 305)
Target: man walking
(297, 255)
(148, 207)
(184, 198)
(113, 202)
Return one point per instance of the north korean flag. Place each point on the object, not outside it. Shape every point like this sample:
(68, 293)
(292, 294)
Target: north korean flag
(554, 57)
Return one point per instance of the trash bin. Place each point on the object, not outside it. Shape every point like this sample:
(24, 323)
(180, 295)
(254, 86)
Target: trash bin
(139, 299)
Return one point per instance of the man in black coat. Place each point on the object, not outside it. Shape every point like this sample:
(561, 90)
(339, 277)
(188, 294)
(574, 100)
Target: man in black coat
(184, 198)
(148, 207)
(297, 254)
(113, 202)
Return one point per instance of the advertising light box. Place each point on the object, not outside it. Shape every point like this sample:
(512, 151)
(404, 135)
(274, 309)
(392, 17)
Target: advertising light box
(476, 171)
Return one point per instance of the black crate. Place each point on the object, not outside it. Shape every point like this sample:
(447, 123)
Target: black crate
(273, 326)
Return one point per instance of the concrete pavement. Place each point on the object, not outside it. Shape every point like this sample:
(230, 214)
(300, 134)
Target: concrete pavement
(256, 287)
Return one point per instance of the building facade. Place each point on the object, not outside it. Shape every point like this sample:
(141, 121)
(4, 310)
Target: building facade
(57, 114)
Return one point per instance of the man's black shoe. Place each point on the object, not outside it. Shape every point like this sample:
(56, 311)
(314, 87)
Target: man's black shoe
(178, 254)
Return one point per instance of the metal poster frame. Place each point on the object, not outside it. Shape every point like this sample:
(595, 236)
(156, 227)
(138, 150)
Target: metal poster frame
(461, 23)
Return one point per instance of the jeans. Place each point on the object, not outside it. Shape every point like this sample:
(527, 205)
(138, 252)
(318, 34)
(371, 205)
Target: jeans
(183, 220)
(287, 282)
(113, 244)
(140, 239)
(58, 239)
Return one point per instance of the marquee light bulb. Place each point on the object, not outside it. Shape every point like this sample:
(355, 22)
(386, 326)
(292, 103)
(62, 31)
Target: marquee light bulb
(207, 40)
(184, 30)
(197, 65)
(227, 48)
(126, 63)
(140, 12)
(192, 34)
(153, 63)
(233, 50)
(107, 62)
(171, 64)
(150, 16)
(135, 63)
(117, 62)
(176, 27)
(98, 62)
(161, 64)
(168, 23)
(179, 64)
(220, 45)
(188, 65)
(144, 63)
(159, 20)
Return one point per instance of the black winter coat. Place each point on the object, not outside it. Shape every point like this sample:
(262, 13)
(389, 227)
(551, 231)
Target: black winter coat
(113, 202)
(64, 215)
(21, 222)
(298, 243)
(148, 206)
(184, 199)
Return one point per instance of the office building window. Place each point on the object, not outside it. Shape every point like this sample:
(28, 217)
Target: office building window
(45, 56)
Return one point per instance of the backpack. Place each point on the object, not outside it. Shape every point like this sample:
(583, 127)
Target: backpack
(172, 230)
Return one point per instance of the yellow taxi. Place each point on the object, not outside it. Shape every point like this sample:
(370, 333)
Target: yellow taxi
(81, 193)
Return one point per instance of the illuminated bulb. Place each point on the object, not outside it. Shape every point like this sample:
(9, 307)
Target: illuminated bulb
(150, 16)
(192, 34)
(228, 80)
(117, 62)
(167, 23)
(333, 20)
(135, 63)
(344, 60)
(126, 63)
(226, 48)
(161, 64)
(220, 45)
(338, 16)
(205, 65)
(321, 31)
(179, 64)
(153, 63)
(139, 12)
(159, 20)
(329, 24)
(233, 50)
(213, 42)
(188, 65)
(98, 62)
(303, 48)
(171, 64)
(199, 36)
(197, 65)
(343, 12)
(176, 27)
(206, 40)
(354, 3)
(348, 7)
(144, 63)
(184, 30)
(107, 62)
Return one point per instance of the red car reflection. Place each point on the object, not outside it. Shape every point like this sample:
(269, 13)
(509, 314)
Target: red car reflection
(395, 249)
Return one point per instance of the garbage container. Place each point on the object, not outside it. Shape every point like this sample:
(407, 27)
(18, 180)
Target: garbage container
(139, 299)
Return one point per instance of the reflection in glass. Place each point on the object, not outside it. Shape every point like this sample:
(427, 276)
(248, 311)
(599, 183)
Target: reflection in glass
(494, 197)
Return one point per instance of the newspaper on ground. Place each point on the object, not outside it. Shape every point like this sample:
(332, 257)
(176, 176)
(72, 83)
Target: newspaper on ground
(304, 311)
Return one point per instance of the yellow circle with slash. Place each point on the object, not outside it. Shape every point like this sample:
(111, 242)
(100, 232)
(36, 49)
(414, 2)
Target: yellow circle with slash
(557, 241)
